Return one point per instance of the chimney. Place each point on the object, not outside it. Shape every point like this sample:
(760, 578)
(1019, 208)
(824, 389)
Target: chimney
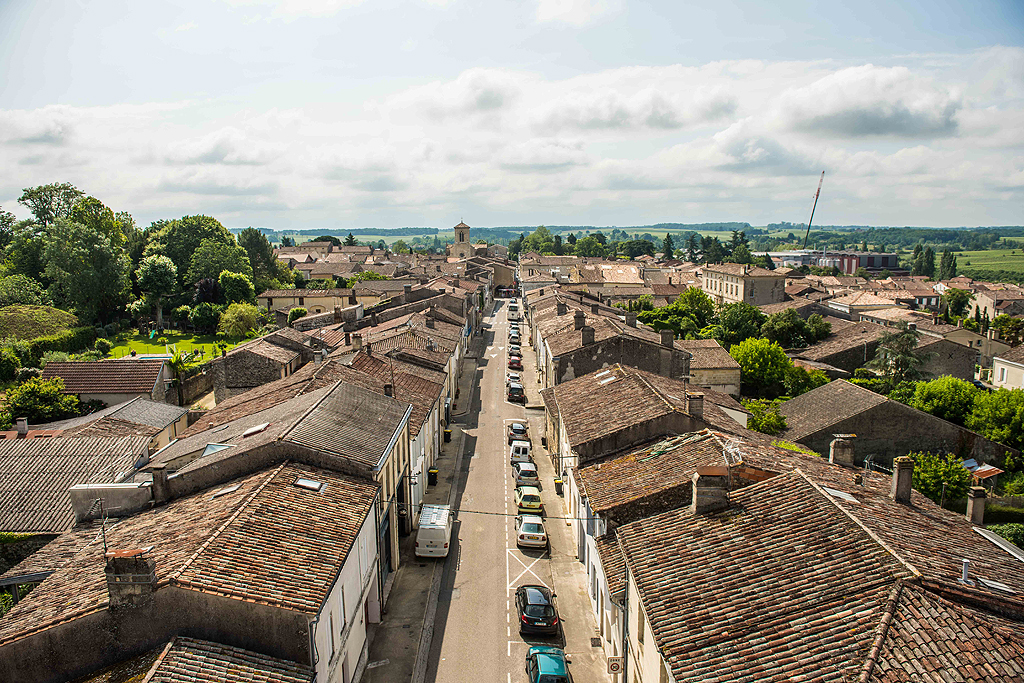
(993, 334)
(352, 299)
(357, 342)
(668, 338)
(935, 317)
(456, 281)
(710, 490)
(695, 404)
(439, 269)
(840, 451)
(587, 335)
(131, 576)
(561, 308)
(430, 323)
(578, 319)
(22, 426)
(960, 322)
(902, 479)
(595, 308)
(389, 389)
(159, 490)
(976, 505)
(670, 280)
(541, 291)
(442, 290)
(631, 318)
(407, 290)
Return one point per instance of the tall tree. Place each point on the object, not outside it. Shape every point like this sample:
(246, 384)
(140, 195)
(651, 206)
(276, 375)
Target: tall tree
(897, 356)
(692, 251)
(589, 246)
(327, 238)
(956, 301)
(7, 223)
(947, 265)
(928, 262)
(94, 214)
(213, 257)
(350, 241)
(667, 247)
(158, 278)
(85, 272)
(48, 203)
(181, 238)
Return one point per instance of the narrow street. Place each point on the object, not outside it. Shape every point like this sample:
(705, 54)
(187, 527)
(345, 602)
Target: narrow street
(476, 629)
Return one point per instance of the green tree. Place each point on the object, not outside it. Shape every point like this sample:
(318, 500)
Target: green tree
(204, 316)
(799, 381)
(24, 255)
(764, 416)
(180, 363)
(897, 357)
(295, 314)
(41, 400)
(1011, 330)
(1012, 532)
(946, 397)
(180, 239)
(350, 241)
(635, 248)
(19, 289)
(328, 238)
(7, 222)
(786, 328)
(817, 328)
(212, 258)
(762, 363)
(668, 248)
(9, 364)
(933, 470)
(540, 241)
(999, 416)
(239, 320)
(741, 255)
(158, 278)
(92, 213)
(590, 247)
(366, 275)
(289, 242)
(264, 264)
(956, 301)
(400, 247)
(862, 272)
(712, 250)
(49, 203)
(692, 251)
(85, 271)
(237, 288)
(947, 265)
(739, 321)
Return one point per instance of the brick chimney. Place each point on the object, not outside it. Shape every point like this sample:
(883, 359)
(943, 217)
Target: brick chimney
(902, 479)
(357, 342)
(595, 308)
(631, 318)
(160, 490)
(976, 505)
(389, 389)
(22, 426)
(840, 451)
(587, 335)
(348, 338)
(561, 308)
(695, 404)
(407, 290)
(430, 323)
(710, 490)
(578, 319)
(131, 576)
(668, 338)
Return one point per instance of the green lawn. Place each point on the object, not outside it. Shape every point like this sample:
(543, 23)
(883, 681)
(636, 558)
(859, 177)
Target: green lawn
(161, 343)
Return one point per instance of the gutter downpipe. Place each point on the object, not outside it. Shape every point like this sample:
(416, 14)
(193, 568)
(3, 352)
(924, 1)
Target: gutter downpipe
(625, 628)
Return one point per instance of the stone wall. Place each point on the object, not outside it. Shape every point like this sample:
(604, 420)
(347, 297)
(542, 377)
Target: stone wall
(654, 358)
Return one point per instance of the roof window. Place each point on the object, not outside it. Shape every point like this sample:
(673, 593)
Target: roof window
(212, 448)
(229, 489)
(310, 484)
(255, 430)
(841, 495)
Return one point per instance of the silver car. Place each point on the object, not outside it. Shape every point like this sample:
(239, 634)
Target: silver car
(526, 474)
(530, 532)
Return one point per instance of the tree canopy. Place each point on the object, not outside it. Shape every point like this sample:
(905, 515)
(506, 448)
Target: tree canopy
(214, 257)
(762, 363)
(48, 203)
(180, 239)
(85, 271)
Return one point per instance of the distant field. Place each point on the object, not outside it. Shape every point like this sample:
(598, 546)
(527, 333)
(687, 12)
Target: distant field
(994, 264)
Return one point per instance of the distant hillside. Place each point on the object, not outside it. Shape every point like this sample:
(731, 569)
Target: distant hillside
(29, 322)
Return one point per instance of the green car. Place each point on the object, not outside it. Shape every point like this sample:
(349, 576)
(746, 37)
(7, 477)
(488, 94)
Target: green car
(547, 665)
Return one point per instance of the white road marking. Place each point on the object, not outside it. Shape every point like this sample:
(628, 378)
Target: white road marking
(526, 568)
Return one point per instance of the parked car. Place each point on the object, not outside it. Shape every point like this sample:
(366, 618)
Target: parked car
(515, 350)
(518, 431)
(530, 532)
(537, 611)
(519, 451)
(516, 393)
(515, 339)
(526, 474)
(981, 385)
(513, 377)
(515, 363)
(547, 665)
(528, 500)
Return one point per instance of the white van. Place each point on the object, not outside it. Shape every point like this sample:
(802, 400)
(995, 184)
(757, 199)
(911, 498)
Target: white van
(435, 532)
(519, 451)
(513, 311)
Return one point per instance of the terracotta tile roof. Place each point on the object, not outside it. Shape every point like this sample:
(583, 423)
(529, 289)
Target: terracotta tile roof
(35, 475)
(112, 427)
(613, 563)
(352, 423)
(836, 401)
(933, 639)
(740, 270)
(409, 386)
(262, 347)
(187, 660)
(305, 292)
(114, 376)
(1014, 355)
(59, 551)
(864, 299)
(782, 585)
(707, 354)
(798, 304)
(244, 544)
(843, 338)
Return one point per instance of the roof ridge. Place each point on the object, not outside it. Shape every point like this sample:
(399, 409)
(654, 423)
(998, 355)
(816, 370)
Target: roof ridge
(650, 386)
(881, 632)
(160, 659)
(244, 504)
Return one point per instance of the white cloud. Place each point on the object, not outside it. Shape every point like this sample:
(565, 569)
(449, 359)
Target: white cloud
(51, 125)
(290, 10)
(649, 108)
(228, 145)
(871, 101)
(577, 12)
(186, 27)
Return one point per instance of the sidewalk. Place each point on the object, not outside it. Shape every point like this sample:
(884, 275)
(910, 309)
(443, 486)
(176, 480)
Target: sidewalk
(400, 643)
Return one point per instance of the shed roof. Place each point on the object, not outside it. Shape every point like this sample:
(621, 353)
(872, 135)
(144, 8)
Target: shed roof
(113, 376)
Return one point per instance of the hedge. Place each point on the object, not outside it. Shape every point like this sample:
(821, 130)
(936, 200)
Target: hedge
(70, 341)
(1003, 514)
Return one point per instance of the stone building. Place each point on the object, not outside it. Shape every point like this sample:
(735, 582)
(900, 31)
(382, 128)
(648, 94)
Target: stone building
(728, 283)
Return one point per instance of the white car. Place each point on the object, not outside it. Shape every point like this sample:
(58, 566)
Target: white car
(530, 532)
(515, 350)
(513, 377)
(526, 474)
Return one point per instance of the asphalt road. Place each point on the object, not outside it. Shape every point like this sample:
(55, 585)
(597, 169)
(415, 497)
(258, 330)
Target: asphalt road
(476, 635)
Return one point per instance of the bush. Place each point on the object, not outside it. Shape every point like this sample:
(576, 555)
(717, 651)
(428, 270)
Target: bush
(69, 341)
(100, 332)
(125, 324)
(239, 320)
(295, 314)
(111, 329)
(932, 470)
(54, 357)
(764, 416)
(1003, 514)
(41, 401)
(1012, 532)
(25, 374)
(8, 365)
(103, 346)
(204, 316)
(20, 348)
(1014, 485)
(181, 314)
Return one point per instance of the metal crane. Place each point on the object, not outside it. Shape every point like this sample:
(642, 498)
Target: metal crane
(808, 233)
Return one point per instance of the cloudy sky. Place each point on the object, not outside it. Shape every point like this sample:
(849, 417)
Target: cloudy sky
(350, 113)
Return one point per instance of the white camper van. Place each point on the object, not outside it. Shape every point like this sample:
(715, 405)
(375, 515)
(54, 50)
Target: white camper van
(435, 532)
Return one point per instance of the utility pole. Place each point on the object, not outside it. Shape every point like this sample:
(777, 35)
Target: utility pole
(813, 207)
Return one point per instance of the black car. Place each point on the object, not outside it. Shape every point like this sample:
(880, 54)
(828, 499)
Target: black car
(981, 385)
(537, 611)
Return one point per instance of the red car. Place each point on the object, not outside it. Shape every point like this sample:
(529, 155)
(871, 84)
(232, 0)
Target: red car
(515, 363)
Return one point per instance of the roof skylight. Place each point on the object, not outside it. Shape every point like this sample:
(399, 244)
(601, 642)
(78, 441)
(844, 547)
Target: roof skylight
(229, 489)
(310, 484)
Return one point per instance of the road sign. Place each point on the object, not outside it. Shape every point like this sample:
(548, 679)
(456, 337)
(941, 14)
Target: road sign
(615, 665)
